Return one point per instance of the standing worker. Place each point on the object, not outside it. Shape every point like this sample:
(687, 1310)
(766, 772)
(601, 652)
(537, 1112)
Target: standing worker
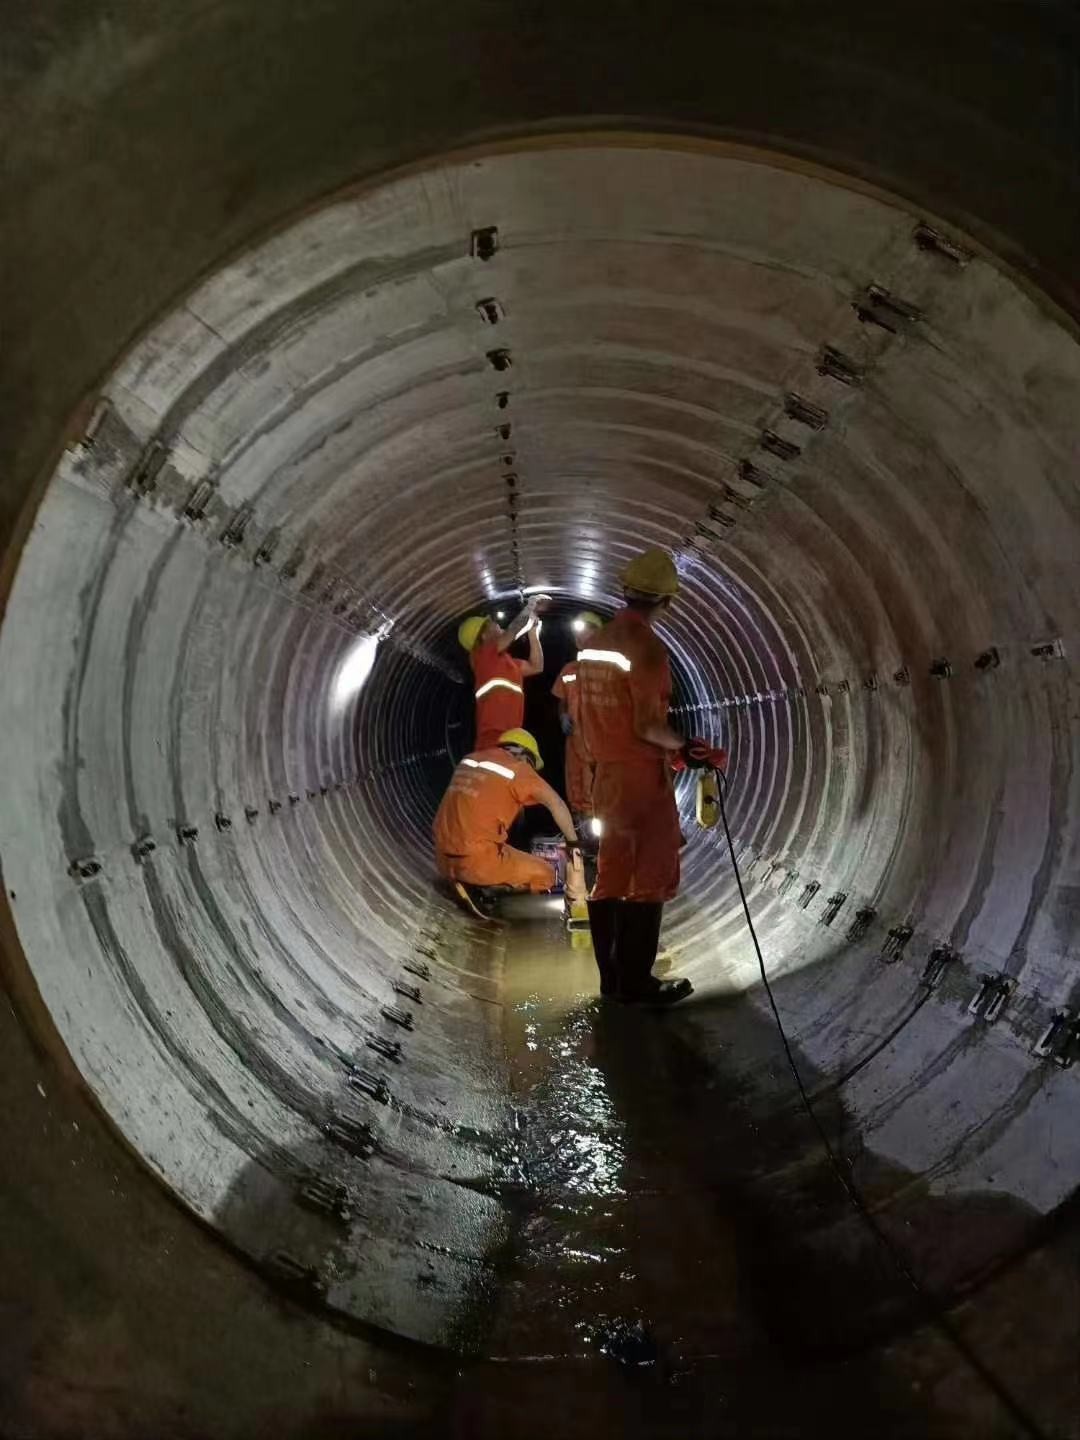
(624, 688)
(498, 678)
(578, 762)
(489, 790)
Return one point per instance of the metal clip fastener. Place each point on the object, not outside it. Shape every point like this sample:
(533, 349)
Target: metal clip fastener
(864, 918)
(370, 1084)
(85, 868)
(351, 1134)
(833, 907)
(938, 961)
(808, 894)
(388, 1049)
(327, 1196)
(991, 997)
(895, 941)
(484, 242)
(1060, 1041)
(397, 1016)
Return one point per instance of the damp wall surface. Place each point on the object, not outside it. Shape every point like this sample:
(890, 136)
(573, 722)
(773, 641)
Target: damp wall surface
(659, 306)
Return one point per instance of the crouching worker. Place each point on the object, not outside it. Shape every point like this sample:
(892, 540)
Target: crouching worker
(489, 790)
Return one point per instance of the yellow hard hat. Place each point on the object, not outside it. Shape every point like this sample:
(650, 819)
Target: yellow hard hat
(524, 741)
(652, 573)
(468, 632)
(587, 620)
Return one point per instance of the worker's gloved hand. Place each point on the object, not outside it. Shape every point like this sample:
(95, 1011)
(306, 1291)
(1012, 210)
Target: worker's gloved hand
(700, 755)
(566, 724)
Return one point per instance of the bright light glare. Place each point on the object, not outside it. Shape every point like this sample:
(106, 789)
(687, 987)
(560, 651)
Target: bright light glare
(596, 826)
(354, 670)
(579, 626)
(500, 615)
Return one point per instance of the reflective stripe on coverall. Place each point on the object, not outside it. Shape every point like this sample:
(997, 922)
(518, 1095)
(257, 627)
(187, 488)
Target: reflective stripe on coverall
(578, 762)
(624, 680)
(500, 693)
(488, 792)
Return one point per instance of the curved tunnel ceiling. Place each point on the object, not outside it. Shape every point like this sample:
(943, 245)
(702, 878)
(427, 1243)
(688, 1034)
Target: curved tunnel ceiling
(512, 370)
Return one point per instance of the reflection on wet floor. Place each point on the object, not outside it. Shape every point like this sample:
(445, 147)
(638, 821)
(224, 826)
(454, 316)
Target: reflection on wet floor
(644, 1291)
(602, 1239)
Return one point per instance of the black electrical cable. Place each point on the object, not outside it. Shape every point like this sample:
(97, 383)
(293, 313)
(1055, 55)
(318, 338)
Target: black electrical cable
(934, 1312)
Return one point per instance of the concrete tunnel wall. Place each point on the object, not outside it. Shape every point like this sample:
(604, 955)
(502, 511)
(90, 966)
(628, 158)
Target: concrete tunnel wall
(302, 460)
(76, 293)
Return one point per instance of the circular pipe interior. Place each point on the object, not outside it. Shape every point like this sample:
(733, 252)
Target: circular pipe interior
(239, 699)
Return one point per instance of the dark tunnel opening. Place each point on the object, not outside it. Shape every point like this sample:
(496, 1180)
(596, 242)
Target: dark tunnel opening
(455, 1195)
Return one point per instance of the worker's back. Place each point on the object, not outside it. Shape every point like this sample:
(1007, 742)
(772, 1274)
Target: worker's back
(623, 677)
(487, 793)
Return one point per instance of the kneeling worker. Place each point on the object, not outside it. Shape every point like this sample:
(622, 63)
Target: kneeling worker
(489, 790)
(623, 691)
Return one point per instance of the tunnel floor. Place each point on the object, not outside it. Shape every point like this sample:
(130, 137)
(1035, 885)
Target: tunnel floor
(644, 1289)
(651, 1285)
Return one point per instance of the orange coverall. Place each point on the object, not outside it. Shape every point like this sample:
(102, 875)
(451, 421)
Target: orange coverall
(488, 792)
(623, 676)
(500, 693)
(579, 765)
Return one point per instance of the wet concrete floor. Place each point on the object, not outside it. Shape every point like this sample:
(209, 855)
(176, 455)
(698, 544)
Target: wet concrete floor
(667, 1274)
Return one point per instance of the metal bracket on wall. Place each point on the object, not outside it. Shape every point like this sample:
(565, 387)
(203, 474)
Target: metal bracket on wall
(370, 1084)
(85, 868)
(864, 918)
(935, 243)
(198, 500)
(833, 906)
(808, 894)
(939, 959)
(752, 475)
(804, 411)
(489, 310)
(143, 479)
(397, 1016)
(294, 1273)
(991, 997)
(329, 1197)
(895, 941)
(1060, 1041)
(878, 306)
(837, 366)
(484, 242)
(234, 531)
(351, 1134)
(388, 1049)
(776, 445)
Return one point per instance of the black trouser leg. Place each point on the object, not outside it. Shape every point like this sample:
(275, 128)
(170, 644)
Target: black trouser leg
(602, 924)
(637, 938)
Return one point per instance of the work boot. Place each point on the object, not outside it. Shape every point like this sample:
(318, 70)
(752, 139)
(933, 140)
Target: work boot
(476, 899)
(661, 995)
